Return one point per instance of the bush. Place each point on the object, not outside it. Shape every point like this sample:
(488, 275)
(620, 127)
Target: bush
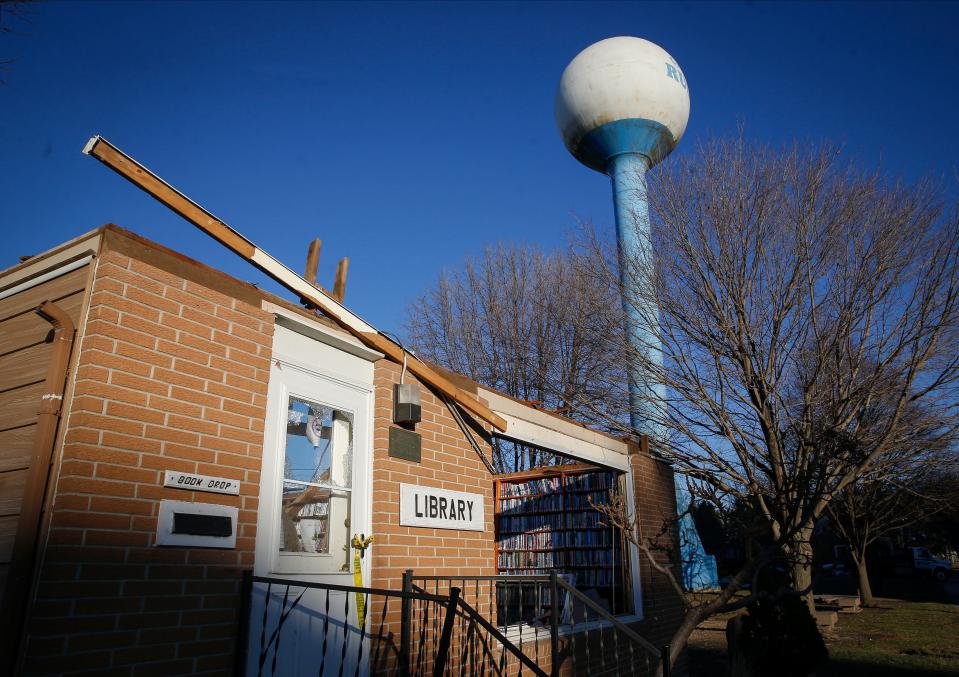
(781, 638)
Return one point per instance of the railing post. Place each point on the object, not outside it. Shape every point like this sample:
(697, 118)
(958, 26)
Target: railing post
(553, 624)
(443, 651)
(243, 633)
(665, 658)
(406, 620)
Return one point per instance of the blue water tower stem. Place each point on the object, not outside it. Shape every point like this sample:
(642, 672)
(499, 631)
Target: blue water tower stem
(647, 393)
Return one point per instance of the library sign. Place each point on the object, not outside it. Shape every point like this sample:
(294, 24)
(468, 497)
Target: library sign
(441, 508)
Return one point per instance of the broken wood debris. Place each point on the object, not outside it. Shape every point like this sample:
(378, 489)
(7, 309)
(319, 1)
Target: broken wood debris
(143, 178)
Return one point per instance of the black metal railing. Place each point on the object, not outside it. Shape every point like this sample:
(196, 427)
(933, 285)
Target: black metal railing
(551, 623)
(488, 635)
(336, 643)
(439, 634)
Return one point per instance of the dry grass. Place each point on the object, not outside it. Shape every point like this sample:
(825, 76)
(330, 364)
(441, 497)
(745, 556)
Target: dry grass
(919, 639)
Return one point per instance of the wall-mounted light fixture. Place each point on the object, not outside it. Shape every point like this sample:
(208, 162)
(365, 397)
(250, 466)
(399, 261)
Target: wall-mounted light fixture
(406, 404)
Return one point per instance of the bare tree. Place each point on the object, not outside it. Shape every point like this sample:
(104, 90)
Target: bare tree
(664, 556)
(521, 321)
(12, 14)
(794, 293)
(904, 489)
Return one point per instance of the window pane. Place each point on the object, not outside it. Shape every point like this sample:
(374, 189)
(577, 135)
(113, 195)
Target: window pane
(317, 476)
(319, 444)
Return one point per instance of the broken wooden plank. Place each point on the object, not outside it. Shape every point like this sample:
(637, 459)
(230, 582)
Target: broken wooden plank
(140, 176)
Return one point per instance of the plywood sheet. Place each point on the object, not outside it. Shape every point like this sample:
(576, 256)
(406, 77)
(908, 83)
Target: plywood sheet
(28, 328)
(15, 447)
(18, 407)
(24, 366)
(52, 290)
(12, 485)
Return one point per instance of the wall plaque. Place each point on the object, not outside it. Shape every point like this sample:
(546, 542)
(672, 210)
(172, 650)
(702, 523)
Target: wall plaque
(405, 444)
(437, 508)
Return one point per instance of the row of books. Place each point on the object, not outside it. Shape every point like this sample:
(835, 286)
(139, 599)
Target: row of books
(550, 522)
(548, 485)
(592, 538)
(530, 523)
(544, 485)
(535, 541)
(557, 558)
(533, 559)
(540, 540)
(591, 480)
(582, 500)
(585, 578)
(534, 504)
(602, 557)
(588, 578)
(525, 595)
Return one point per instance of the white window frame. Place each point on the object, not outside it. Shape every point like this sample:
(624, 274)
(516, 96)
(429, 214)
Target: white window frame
(526, 432)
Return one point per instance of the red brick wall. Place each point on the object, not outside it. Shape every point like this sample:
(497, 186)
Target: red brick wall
(448, 461)
(655, 492)
(171, 375)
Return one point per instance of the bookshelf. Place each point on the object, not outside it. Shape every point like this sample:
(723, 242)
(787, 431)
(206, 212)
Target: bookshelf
(544, 523)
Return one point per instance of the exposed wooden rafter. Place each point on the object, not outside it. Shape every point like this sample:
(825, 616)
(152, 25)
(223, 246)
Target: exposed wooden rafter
(140, 176)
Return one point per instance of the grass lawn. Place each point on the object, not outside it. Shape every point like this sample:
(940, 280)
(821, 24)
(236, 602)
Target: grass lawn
(897, 639)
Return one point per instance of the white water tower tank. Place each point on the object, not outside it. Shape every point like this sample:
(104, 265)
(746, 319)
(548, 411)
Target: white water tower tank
(622, 94)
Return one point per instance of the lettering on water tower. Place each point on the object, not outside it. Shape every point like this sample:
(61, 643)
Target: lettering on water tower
(676, 74)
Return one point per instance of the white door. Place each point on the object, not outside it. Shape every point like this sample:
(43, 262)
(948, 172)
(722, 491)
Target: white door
(314, 496)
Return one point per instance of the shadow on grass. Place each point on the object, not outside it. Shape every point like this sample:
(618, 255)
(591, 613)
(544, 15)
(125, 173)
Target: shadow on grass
(703, 662)
(847, 668)
(712, 663)
(916, 588)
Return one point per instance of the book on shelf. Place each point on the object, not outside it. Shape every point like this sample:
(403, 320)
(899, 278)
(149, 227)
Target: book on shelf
(550, 524)
(543, 485)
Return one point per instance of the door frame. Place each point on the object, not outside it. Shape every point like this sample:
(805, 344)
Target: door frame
(317, 353)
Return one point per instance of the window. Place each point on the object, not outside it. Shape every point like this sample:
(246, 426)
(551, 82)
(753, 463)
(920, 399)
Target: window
(545, 521)
(314, 511)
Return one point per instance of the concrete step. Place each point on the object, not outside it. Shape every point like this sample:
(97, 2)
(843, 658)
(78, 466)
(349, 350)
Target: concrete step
(826, 619)
(844, 604)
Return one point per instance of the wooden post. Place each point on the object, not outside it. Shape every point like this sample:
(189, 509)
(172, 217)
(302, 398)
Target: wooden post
(339, 284)
(313, 260)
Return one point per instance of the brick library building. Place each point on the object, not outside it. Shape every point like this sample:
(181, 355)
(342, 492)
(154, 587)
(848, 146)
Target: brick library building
(200, 477)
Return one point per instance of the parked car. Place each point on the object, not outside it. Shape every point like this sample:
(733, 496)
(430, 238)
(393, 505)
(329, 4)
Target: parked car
(922, 561)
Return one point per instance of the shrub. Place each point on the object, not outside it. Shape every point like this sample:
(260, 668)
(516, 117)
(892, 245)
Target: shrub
(781, 638)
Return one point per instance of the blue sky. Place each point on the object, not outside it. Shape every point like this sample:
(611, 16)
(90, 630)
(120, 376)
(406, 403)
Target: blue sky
(407, 136)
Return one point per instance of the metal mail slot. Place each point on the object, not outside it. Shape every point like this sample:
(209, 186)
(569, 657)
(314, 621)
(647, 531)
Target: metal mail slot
(202, 525)
(196, 525)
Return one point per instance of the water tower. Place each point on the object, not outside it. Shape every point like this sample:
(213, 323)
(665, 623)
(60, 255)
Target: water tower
(622, 106)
